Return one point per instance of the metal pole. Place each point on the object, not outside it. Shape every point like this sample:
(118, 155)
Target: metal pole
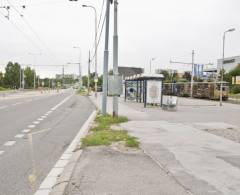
(80, 68)
(106, 55)
(89, 62)
(221, 85)
(96, 71)
(20, 77)
(23, 79)
(34, 82)
(63, 76)
(115, 56)
(192, 77)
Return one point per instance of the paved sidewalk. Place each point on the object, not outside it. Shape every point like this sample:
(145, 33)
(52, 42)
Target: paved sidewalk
(203, 162)
(105, 171)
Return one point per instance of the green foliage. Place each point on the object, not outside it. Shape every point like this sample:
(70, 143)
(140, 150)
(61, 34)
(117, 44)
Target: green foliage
(235, 71)
(235, 89)
(102, 134)
(105, 122)
(29, 78)
(187, 76)
(1, 79)
(12, 75)
(91, 79)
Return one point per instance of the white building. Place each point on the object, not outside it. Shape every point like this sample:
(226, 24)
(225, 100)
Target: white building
(229, 63)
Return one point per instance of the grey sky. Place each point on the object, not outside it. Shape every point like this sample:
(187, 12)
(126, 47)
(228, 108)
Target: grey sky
(162, 29)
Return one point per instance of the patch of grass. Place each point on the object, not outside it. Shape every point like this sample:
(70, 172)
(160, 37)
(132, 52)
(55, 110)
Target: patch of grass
(102, 134)
(3, 89)
(132, 142)
(105, 122)
(82, 92)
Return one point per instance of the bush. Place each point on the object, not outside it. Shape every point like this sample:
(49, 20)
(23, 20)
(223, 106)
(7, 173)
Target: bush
(235, 89)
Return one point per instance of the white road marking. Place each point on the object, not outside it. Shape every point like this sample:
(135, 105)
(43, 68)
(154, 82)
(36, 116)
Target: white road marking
(36, 122)
(19, 136)
(10, 143)
(46, 186)
(26, 130)
(1, 152)
(31, 126)
(49, 112)
(18, 103)
(40, 119)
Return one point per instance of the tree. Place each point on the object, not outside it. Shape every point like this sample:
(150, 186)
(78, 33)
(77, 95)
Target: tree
(29, 78)
(166, 75)
(1, 80)
(187, 76)
(12, 75)
(235, 71)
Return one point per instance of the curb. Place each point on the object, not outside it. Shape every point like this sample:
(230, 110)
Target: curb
(58, 178)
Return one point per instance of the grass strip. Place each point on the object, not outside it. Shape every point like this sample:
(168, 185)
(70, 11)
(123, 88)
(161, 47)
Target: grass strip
(102, 134)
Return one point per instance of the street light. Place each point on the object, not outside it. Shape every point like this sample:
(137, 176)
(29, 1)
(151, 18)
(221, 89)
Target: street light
(152, 59)
(80, 71)
(95, 53)
(221, 88)
(34, 61)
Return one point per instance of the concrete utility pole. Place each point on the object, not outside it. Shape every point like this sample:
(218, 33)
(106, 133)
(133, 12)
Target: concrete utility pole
(95, 53)
(89, 63)
(115, 55)
(106, 55)
(192, 77)
(20, 77)
(222, 69)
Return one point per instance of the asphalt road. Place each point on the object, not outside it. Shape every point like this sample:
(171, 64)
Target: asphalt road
(57, 116)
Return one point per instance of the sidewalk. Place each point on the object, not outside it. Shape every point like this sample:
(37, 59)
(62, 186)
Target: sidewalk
(190, 143)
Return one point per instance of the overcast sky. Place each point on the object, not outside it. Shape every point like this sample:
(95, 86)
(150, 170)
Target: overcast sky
(165, 30)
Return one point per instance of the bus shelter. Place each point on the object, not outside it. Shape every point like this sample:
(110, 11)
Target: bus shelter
(146, 89)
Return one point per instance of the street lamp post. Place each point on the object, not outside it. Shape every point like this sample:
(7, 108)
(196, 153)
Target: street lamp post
(34, 61)
(80, 69)
(221, 87)
(152, 59)
(95, 53)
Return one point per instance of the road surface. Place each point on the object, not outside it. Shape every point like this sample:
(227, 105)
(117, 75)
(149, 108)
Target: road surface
(57, 116)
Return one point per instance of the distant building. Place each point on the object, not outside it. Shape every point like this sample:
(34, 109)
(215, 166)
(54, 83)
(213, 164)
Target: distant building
(66, 76)
(129, 71)
(229, 63)
(170, 71)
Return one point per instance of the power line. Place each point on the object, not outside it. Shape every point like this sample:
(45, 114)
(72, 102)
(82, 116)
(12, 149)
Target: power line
(31, 29)
(23, 33)
(99, 39)
(98, 26)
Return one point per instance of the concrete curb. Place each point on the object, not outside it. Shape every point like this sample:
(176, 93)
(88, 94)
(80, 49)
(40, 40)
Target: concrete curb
(57, 180)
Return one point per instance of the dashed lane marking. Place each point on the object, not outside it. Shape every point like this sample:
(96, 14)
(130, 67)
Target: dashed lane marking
(26, 130)
(19, 136)
(36, 122)
(10, 143)
(1, 152)
(40, 119)
(31, 126)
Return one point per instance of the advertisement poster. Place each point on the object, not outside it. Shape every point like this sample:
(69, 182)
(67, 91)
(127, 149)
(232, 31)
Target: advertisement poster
(154, 92)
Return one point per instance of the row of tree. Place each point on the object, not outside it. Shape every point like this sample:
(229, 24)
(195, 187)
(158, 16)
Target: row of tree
(11, 78)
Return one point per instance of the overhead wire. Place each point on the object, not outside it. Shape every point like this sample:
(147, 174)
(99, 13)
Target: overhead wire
(32, 29)
(23, 33)
(100, 35)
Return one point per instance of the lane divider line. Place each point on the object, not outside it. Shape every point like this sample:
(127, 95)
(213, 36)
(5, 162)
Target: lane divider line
(26, 130)
(10, 143)
(50, 181)
(19, 136)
